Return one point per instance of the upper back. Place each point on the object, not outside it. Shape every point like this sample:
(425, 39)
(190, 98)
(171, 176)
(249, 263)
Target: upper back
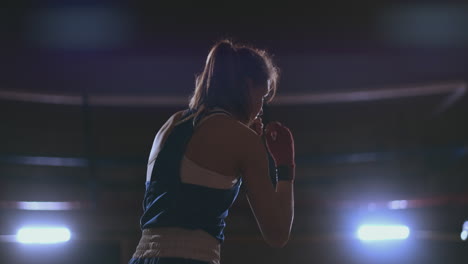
(218, 143)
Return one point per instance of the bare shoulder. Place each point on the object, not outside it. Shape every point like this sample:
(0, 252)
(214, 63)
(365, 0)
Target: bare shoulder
(231, 128)
(224, 132)
(246, 144)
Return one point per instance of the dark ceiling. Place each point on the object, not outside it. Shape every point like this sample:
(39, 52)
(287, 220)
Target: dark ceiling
(374, 92)
(152, 47)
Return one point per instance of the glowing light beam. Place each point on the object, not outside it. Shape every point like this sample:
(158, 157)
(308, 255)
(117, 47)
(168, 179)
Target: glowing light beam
(383, 232)
(43, 235)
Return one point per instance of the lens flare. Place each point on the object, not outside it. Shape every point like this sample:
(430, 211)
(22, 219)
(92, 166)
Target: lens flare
(43, 235)
(383, 232)
(464, 235)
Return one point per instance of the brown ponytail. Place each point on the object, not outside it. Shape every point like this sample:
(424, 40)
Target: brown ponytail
(223, 82)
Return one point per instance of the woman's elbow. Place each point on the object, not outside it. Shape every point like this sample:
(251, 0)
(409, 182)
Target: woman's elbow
(277, 239)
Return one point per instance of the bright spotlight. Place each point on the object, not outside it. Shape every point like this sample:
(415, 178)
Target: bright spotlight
(43, 235)
(464, 235)
(383, 232)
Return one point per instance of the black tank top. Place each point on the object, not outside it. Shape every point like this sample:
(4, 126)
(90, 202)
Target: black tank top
(170, 203)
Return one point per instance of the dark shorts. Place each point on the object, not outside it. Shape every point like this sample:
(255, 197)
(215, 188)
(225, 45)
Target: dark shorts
(165, 261)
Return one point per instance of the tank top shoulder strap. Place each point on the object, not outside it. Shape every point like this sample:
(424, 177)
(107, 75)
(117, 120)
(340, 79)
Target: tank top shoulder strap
(187, 114)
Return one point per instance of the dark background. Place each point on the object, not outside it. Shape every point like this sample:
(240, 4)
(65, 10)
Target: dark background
(374, 92)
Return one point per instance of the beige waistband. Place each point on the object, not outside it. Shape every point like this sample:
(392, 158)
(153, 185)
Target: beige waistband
(178, 243)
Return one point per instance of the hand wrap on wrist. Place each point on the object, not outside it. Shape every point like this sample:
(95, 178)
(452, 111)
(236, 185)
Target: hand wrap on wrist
(285, 172)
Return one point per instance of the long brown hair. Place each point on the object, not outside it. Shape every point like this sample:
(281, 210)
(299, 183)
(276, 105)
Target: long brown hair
(223, 82)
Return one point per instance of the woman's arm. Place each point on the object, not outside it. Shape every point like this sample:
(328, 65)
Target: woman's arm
(272, 207)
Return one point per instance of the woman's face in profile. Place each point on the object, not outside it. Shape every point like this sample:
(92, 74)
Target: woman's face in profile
(257, 95)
